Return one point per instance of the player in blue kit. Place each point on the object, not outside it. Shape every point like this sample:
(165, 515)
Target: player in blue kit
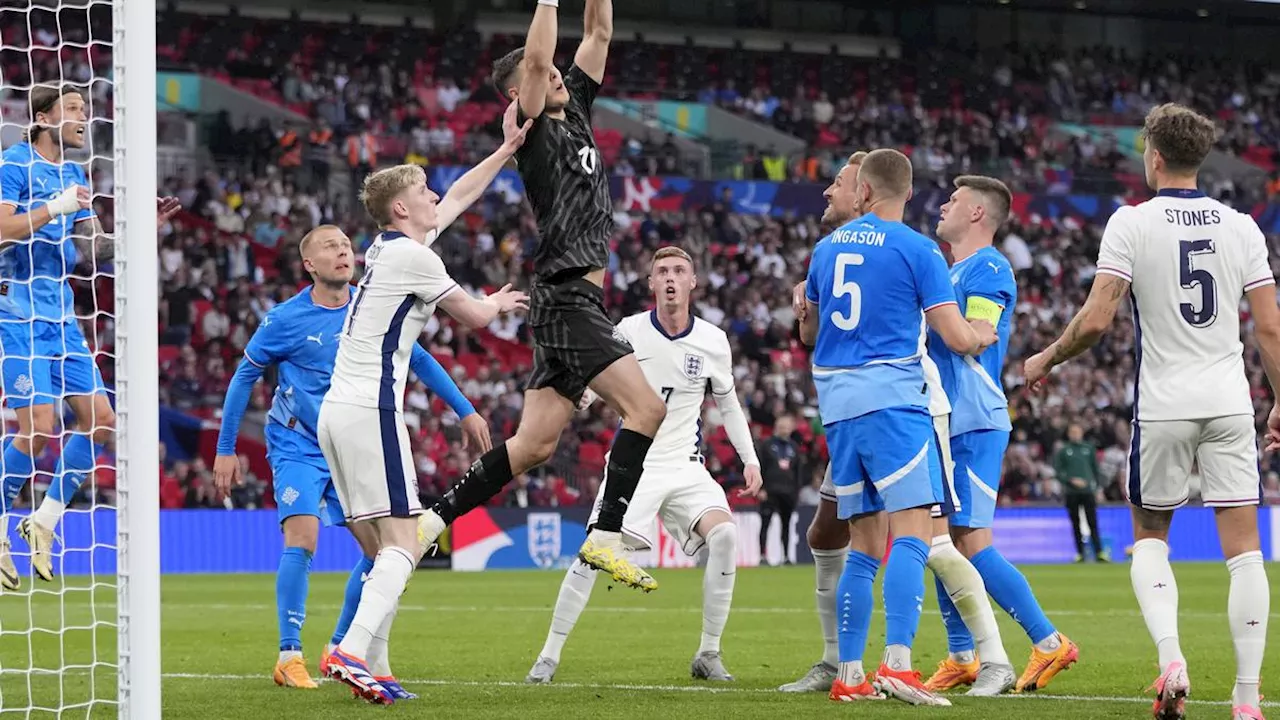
(47, 228)
(869, 284)
(300, 337)
(986, 288)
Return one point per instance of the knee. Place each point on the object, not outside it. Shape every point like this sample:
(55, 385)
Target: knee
(101, 424)
(42, 429)
(301, 531)
(722, 539)
(827, 532)
(647, 415)
(529, 450)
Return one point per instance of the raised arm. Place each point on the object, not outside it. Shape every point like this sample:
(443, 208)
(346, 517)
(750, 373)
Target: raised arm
(467, 189)
(597, 31)
(476, 313)
(539, 54)
(432, 373)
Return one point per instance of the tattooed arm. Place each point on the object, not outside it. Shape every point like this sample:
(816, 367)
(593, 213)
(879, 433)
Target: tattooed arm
(1084, 329)
(94, 243)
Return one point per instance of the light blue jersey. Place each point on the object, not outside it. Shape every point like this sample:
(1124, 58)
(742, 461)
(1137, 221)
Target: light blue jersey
(973, 384)
(33, 272)
(871, 280)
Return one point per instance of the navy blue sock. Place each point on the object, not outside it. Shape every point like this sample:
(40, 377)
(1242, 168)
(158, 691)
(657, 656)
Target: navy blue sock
(293, 579)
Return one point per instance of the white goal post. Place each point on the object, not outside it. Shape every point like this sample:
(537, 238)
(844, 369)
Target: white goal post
(137, 397)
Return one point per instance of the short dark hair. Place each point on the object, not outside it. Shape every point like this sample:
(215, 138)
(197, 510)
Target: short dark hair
(505, 68)
(1182, 136)
(888, 171)
(41, 100)
(995, 192)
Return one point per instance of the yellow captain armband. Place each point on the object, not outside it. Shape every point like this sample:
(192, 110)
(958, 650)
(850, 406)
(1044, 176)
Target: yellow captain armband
(980, 308)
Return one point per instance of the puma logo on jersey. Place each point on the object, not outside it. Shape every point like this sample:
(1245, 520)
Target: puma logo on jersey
(994, 267)
(316, 338)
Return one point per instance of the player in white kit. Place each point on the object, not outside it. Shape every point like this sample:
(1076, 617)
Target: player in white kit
(361, 427)
(1186, 260)
(683, 357)
(829, 537)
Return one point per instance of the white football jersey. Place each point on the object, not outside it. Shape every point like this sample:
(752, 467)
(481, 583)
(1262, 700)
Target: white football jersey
(681, 369)
(939, 404)
(403, 281)
(1190, 260)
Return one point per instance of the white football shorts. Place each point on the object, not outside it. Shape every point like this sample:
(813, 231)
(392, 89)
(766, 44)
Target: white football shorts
(680, 494)
(1161, 454)
(370, 461)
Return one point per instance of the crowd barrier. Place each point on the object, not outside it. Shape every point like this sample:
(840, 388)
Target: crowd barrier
(249, 541)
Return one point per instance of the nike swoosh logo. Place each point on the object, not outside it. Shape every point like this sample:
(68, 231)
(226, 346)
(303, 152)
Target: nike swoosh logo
(728, 573)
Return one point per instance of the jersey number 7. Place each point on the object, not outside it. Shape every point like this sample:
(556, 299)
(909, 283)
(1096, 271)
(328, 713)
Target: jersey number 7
(841, 287)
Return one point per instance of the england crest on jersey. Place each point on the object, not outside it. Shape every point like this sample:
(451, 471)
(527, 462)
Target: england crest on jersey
(693, 366)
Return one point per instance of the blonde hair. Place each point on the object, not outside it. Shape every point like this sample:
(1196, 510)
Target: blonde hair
(383, 186)
(315, 232)
(1182, 136)
(671, 251)
(857, 158)
(996, 194)
(888, 171)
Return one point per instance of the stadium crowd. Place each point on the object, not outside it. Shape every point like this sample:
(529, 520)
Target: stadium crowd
(233, 254)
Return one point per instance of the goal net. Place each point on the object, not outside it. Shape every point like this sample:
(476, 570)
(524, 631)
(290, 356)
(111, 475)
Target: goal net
(79, 532)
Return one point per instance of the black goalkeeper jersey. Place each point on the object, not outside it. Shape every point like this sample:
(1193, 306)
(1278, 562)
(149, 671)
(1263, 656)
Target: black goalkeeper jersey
(565, 181)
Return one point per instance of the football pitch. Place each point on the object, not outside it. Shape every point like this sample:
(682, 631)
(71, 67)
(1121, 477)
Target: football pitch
(464, 642)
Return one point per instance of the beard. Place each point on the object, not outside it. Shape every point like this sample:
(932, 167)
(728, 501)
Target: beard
(833, 218)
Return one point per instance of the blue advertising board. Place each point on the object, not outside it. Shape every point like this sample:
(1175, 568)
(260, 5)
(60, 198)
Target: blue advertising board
(234, 541)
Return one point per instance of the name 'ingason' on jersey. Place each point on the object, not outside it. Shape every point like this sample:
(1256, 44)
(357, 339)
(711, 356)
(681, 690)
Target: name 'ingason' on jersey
(859, 237)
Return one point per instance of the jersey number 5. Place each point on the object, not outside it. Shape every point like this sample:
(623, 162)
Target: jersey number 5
(1193, 278)
(841, 287)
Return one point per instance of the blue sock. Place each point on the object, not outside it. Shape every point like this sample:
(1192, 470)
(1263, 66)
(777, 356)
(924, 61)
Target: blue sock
(74, 464)
(351, 599)
(904, 590)
(18, 467)
(292, 581)
(958, 637)
(1009, 588)
(855, 602)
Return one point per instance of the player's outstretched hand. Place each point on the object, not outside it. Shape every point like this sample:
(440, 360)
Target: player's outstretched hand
(166, 208)
(1036, 369)
(799, 304)
(475, 434)
(226, 472)
(755, 483)
(507, 299)
(1273, 429)
(513, 133)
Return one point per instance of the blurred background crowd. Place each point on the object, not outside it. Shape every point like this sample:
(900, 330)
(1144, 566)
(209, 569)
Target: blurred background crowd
(348, 97)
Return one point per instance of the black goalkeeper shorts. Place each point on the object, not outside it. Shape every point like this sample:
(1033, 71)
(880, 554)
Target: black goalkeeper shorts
(573, 338)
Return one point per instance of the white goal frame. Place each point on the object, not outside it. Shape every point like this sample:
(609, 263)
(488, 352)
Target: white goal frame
(137, 396)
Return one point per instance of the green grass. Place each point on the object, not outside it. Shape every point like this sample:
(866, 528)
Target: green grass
(464, 642)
